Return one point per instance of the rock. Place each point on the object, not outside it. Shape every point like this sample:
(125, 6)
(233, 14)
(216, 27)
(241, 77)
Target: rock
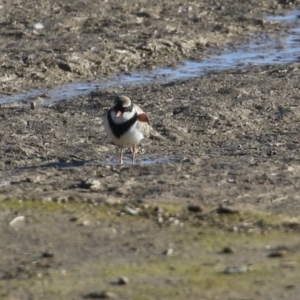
(38, 75)
(38, 26)
(92, 184)
(231, 180)
(227, 210)
(290, 286)
(278, 253)
(292, 224)
(112, 200)
(132, 211)
(85, 223)
(18, 221)
(64, 66)
(32, 105)
(123, 280)
(47, 254)
(185, 45)
(47, 199)
(160, 220)
(62, 199)
(186, 176)
(169, 252)
(100, 295)
(235, 229)
(33, 179)
(176, 222)
(228, 250)
(236, 270)
(158, 209)
(195, 208)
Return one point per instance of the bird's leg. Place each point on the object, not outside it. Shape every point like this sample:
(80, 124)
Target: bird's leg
(121, 156)
(133, 153)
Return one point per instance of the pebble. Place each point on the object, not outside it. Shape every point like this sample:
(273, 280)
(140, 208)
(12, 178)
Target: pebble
(231, 180)
(236, 270)
(92, 184)
(132, 211)
(195, 208)
(227, 210)
(86, 223)
(47, 254)
(158, 209)
(169, 252)
(38, 75)
(176, 222)
(228, 250)
(123, 280)
(100, 295)
(17, 221)
(112, 201)
(278, 253)
(186, 176)
(47, 199)
(290, 286)
(62, 199)
(235, 229)
(32, 105)
(38, 26)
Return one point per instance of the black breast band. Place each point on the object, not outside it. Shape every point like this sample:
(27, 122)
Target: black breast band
(119, 129)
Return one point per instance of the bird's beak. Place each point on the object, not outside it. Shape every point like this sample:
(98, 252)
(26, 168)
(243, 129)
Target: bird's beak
(118, 113)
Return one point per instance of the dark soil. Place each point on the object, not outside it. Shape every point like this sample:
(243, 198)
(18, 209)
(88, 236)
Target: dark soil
(86, 40)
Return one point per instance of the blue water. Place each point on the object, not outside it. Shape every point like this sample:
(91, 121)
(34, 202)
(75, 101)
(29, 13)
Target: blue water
(288, 17)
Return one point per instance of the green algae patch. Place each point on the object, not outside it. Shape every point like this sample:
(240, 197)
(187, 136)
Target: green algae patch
(75, 208)
(94, 245)
(185, 274)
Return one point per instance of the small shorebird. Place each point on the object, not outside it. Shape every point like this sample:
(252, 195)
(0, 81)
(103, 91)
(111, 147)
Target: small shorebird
(126, 125)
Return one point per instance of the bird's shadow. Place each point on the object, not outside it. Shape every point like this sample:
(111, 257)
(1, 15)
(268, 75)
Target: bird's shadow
(112, 160)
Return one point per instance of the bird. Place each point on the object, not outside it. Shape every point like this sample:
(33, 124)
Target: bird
(126, 124)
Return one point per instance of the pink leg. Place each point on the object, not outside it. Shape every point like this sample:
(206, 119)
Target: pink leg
(133, 153)
(121, 157)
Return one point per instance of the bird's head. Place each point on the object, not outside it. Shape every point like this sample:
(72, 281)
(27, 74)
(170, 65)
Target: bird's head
(122, 105)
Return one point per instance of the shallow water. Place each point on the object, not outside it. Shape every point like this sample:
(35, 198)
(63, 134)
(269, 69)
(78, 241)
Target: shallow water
(285, 17)
(143, 160)
(263, 50)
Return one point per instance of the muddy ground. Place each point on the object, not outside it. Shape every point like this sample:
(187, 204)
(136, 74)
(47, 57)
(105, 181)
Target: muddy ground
(73, 222)
(44, 43)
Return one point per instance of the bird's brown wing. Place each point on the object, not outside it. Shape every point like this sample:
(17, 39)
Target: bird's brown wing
(143, 121)
(143, 118)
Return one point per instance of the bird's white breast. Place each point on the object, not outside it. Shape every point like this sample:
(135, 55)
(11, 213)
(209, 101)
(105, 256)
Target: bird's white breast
(132, 136)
